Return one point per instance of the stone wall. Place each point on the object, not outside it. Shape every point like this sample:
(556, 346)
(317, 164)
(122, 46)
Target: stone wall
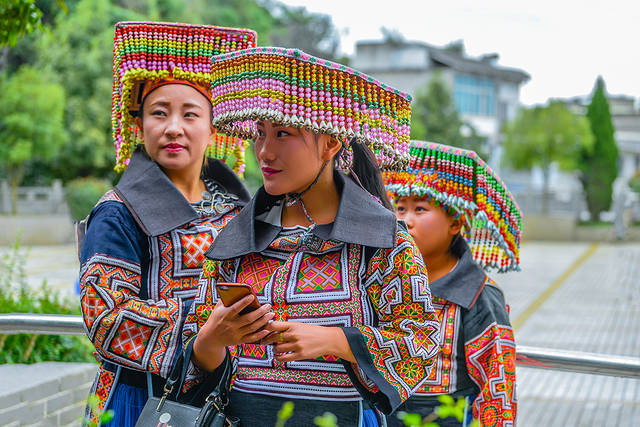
(44, 394)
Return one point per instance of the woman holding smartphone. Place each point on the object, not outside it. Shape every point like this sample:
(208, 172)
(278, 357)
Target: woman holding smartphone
(142, 253)
(346, 321)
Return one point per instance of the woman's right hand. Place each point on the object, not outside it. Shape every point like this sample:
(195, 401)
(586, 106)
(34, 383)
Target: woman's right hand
(226, 327)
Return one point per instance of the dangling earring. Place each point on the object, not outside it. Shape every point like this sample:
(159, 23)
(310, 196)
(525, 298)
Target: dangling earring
(138, 137)
(345, 161)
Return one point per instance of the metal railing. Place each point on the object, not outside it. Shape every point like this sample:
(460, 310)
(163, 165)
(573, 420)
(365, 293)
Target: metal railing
(530, 357)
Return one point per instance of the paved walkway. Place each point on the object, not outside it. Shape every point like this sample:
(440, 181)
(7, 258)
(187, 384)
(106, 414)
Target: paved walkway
(595, 308)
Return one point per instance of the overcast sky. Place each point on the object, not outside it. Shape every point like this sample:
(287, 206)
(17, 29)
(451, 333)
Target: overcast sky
(563, 44)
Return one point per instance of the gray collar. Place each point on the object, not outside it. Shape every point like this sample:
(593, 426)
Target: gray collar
(360, 220)
(464, 283)
(156, 204)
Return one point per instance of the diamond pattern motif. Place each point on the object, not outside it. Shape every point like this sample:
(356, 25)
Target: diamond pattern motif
(320, 274)
(194, 247)
(131, 340)
(256, 271)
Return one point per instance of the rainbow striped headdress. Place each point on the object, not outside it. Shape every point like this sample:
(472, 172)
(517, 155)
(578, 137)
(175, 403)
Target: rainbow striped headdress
(293, 88)
(464, 185)
(149, 53)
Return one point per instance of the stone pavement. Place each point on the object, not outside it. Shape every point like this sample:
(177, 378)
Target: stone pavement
(592, 306)
(595, 309)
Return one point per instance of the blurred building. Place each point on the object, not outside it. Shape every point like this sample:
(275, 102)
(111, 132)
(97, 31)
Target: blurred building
(486, 94)
(626, 122)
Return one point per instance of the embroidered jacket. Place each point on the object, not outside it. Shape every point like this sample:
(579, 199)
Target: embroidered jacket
(141, 260)
(362, 273)
(478, 347)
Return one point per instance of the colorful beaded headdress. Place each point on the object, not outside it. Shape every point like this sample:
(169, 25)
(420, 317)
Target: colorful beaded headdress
(150, 52)
(464, 185)
(293, 88)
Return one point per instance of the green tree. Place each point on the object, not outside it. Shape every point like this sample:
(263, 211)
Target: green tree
(17, 18)
(434, 118)
(599, 164)
(542, 135)
(314, 33)
(79, 54)
(31, 122)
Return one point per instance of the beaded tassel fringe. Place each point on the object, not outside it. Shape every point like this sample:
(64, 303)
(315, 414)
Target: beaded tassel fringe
(290, 87)
(464, 185)
(150, 51)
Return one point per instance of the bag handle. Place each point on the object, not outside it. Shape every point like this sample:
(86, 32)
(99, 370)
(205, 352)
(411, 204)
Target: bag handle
(179, 372)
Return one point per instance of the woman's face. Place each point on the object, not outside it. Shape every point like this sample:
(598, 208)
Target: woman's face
(176, 127)
(429, 225)
(289, 157)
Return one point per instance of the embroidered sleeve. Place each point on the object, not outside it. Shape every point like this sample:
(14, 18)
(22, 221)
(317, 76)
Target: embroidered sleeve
(491, 359)
(124, 328)
(395, 357)
(201, 309)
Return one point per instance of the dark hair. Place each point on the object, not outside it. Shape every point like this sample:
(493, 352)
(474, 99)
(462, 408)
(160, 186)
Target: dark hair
(367, 171)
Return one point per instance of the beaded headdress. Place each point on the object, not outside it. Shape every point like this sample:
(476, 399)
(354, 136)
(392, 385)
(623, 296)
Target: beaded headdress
(462, 184)
(145, 53)
(290, 87)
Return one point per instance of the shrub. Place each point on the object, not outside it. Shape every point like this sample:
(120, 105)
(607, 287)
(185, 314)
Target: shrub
(17, 297)
(82, 195)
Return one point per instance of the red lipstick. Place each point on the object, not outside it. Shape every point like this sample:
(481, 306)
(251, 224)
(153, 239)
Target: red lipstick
(267, 171)
(173, 147)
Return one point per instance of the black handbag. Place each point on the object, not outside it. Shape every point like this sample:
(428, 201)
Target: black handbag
(163, 412)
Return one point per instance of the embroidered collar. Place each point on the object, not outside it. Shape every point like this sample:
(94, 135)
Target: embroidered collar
(464, 283)
(360, 220)
(157, 205)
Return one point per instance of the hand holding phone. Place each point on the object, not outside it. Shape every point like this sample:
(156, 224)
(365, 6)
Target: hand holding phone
(230, 293)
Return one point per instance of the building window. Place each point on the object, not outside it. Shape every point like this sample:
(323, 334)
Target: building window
(474, 95)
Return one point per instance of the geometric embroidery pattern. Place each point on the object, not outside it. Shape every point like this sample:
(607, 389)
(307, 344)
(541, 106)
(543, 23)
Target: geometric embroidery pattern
(441, 379)
(329, 288)
(491, 364)
(319, 273)
(145, 334)
(256, 271)
(131, 340)
(194, 246)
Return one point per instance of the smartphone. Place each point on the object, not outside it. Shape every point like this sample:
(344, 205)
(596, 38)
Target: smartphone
(231, 293)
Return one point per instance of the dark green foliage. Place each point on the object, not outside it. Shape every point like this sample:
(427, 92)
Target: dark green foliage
(17, 297)
(17, 18)
(82, 195)
(599, 165)
(76, 51)
(434, 118)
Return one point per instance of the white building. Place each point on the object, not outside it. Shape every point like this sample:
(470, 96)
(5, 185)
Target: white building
(486, 94)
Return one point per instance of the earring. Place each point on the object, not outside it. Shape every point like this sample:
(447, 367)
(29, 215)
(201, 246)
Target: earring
(345, 161)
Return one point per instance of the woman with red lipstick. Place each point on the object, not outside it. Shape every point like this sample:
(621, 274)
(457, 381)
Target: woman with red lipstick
(350, 323)
(142, 253)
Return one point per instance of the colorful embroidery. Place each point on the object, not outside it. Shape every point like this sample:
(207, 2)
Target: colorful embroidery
(143, 334)
(491, 364)
(328, 289)
(442, 377)
(102, 387)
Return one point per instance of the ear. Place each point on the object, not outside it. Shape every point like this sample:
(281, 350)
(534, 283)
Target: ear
(455, 226)
(331, 148)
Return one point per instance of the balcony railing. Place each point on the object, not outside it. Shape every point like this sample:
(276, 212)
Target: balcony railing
(530, 357)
